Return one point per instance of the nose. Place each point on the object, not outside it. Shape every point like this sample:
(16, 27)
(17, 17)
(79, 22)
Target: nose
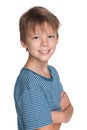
(44, 41)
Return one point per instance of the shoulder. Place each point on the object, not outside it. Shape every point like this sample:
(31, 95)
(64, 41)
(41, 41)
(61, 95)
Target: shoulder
(27, 76)
(53, 70)
(52, 67)
(26, 80)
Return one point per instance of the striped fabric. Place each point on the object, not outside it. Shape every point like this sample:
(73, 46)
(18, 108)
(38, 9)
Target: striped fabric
(35, 97)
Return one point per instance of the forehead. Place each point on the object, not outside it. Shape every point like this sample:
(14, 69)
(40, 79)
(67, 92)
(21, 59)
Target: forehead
(41, 28)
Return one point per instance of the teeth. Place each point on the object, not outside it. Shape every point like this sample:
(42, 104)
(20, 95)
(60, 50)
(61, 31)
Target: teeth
(44, 51)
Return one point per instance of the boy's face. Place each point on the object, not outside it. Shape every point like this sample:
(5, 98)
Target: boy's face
(41, 43)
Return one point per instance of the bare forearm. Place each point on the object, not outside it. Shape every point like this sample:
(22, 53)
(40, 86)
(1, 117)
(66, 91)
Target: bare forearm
(57, 117)
(57, 126)
(63, 116)
(68, 113)
(50, 127)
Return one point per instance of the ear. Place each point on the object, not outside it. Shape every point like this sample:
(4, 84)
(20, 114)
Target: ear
(23, 44)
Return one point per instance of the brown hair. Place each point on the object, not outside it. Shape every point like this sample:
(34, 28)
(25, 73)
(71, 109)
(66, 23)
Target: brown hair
(36, 16)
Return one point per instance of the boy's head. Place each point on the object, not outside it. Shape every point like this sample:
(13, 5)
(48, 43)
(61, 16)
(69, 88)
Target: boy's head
(37, 16)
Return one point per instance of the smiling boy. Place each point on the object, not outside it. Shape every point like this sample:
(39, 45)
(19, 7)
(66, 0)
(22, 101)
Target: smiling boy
(40, 100)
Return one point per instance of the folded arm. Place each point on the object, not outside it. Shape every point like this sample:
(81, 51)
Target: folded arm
(66, 110)
(50, 127)
(60, 117)
(63, 116)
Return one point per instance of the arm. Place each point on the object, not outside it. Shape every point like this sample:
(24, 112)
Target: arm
(66, 110)
(50, 127)
(63, 116)
(68, 113)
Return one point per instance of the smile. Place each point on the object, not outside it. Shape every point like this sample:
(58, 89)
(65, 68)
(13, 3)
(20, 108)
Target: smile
(44, 52)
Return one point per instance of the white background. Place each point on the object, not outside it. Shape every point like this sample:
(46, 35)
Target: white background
(70, 57)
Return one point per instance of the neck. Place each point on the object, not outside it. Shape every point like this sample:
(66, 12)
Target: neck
(38, 67)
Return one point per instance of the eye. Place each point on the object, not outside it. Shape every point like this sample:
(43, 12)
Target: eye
(51, 36)
(36, 37)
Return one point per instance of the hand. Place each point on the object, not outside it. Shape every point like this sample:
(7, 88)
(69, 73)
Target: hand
(64, 102)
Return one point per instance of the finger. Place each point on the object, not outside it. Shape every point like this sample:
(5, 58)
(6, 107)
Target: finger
(62, 93)
(64, 99)
(67, 103)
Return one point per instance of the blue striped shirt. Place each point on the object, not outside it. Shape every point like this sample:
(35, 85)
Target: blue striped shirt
(35, 97)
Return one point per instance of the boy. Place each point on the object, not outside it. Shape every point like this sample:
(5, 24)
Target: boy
(40, 101)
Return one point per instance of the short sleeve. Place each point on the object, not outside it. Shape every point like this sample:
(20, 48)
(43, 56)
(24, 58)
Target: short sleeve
(35, 109)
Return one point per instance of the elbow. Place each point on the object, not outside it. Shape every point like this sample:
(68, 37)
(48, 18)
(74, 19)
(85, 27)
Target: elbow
(67, 116)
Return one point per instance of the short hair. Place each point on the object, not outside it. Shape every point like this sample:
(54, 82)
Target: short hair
(36, 16)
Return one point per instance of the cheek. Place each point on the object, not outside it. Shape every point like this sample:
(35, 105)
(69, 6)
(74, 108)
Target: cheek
(32, 48)
(54, 45)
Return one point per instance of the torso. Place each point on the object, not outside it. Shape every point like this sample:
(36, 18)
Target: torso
(50, 86)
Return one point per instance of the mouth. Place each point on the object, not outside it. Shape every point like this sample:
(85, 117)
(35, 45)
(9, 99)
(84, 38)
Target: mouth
(44, 52)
